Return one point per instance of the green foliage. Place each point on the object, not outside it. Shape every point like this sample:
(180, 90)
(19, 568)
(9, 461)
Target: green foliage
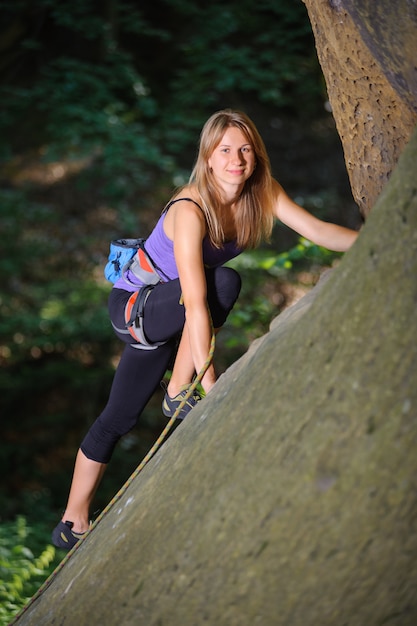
(26, 560)
(44, 289)
(252, 50)
(97, 111)
(56, 344)
(279, 264)
(130, 85)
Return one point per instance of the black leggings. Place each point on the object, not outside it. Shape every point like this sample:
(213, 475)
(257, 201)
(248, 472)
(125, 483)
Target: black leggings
(140, 371)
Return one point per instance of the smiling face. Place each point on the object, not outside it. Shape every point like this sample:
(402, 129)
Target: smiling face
(233, 160)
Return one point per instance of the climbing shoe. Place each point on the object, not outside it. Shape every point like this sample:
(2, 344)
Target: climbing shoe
(63, 537)
(170, 405)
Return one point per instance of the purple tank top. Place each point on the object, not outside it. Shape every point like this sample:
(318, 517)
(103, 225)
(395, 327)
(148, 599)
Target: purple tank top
(161, 250)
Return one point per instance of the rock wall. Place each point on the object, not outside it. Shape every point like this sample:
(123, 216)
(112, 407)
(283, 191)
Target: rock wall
(368, 53)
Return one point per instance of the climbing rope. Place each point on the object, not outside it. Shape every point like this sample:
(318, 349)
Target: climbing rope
(125, 486)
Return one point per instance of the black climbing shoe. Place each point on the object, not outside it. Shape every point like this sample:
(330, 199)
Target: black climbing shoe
(170, 405)
(63, 537)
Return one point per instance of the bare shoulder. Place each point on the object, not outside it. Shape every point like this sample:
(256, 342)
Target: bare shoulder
(184, 213)
(277, 190)
(187, 195)
(284, 207)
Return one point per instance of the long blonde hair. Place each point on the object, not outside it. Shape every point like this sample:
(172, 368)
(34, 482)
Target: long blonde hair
(254, 216)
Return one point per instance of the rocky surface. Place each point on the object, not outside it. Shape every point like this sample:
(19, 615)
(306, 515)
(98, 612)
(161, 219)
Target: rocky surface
(368, 54)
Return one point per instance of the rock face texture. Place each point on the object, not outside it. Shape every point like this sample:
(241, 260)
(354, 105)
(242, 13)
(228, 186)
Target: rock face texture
(368, 54)
(288, 497)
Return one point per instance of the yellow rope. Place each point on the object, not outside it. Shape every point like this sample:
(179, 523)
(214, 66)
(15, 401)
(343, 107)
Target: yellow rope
(125, 486)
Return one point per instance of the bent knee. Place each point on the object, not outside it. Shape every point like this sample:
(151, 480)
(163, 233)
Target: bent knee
(223, 288)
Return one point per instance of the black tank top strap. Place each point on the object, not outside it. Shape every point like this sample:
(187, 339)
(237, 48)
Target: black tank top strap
(179, 200)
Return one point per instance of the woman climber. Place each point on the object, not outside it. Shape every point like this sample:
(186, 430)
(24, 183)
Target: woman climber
(229, 205)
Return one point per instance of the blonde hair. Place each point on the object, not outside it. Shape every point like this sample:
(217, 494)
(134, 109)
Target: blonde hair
(254, 216)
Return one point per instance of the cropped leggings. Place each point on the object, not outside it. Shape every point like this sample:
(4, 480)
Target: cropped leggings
(140, 371)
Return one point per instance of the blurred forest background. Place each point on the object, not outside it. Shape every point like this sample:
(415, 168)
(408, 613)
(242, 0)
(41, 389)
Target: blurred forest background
(102, 103)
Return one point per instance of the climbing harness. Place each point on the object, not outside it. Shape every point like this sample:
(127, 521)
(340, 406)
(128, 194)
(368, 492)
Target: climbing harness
(134, 314)
(124, 487)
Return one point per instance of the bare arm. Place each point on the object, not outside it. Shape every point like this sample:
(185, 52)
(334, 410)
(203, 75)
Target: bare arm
(326, 234)
(189, 229)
